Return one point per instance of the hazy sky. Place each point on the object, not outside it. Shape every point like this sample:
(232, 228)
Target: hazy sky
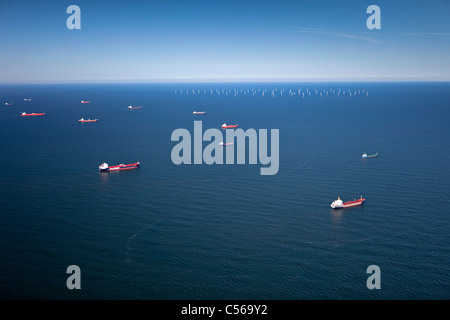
(224, 40)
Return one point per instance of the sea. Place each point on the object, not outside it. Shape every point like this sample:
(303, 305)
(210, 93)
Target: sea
(224, 231)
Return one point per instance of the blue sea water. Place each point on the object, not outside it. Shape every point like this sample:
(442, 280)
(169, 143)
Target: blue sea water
(225, 231)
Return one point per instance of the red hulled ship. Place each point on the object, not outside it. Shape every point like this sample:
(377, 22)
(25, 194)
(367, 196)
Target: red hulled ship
(338, 204)
(229, 126)
(104, 167)
(24, 114)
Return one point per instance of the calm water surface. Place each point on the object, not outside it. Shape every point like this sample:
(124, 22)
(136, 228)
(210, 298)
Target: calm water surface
(224, 231)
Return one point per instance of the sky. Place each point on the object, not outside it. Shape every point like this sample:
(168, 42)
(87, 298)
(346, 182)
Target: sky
(224, 40)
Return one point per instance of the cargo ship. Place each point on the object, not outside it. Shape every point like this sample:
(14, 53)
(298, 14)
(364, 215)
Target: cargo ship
(24, 114)
(365, 156)
(87, 120)
(132, 108)
(83, 101)
(225, 126)
(338, 204)
(104, 167)
(199, 112)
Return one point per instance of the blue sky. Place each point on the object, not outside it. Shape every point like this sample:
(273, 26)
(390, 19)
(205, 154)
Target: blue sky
(224, 40)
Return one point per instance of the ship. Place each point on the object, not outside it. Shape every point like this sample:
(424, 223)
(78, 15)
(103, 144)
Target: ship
(199, 112)
(365, 156)
(225, 144)
(83, 101)
(9, 103)
(26, 99)
(132, 108)
(87, 120)
(339, 204)
(24, 114)
(225, 126)
(104, 167)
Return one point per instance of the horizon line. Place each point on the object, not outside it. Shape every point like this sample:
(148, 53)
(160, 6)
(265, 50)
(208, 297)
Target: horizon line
(165, 81)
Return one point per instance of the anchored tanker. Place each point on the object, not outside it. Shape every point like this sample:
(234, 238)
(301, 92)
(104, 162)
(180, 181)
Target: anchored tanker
(24, 114)
(365, 156)
(225, 126)
(87, 120)
(104, 167)
(338, 204)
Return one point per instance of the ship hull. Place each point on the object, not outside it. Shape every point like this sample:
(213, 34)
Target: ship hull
(348, 205)
(32, 114)
(370, 156)
(121, 168)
